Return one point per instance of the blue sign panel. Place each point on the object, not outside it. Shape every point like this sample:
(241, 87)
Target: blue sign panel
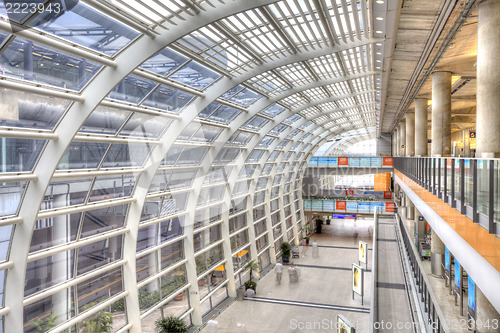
(328, 205)
(307, 204)
(344, 216)
(351, 206)
(458, 275)
(374, 206)
(364, 207)
(313, 161)
(317, 205)
(364, 161)
(471, 301)
(353, 161)
(376, 161)
(333, 162)
(447, 258)
(322, 162)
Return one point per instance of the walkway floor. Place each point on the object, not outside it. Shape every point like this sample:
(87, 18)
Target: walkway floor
(323, 291)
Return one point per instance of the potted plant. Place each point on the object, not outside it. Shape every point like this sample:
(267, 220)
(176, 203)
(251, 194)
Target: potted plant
(307, 240)
(252, 265)
(179, 297)
(45, 325)
(170, 324)
(328, 221)
(286, 249)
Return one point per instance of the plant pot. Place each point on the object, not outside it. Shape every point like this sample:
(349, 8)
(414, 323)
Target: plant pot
(286, 259)
(179, 297)
(201, 282)
(327, 222)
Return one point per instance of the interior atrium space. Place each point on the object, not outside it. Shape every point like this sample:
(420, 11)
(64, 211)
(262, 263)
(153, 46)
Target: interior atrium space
(249, 166)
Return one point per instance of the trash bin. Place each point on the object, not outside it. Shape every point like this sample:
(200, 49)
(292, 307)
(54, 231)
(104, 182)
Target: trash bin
(240, 293)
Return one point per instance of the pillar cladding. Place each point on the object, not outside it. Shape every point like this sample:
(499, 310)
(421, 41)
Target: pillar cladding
(441, 114)
(485, 314)
(437, 254)
(421, 127)
(488, 80)
(402, 141)
(396, 144)
(410, 134)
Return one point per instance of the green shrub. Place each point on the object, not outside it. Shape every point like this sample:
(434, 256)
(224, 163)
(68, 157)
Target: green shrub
(170, 324)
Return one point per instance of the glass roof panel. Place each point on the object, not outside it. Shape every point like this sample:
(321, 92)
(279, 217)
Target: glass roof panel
(231, 92)
(224, 114)
(278, 129)
(132, 89)
(164, 62)
(29, 61)
(126, 155)
(195, 75)
(168, 99)
(145, 126)
(206, 112)
(266, 141)
(240, 138)
(246, 97)
(192, 155)
(83, 155)
(292, 119)
(20, 154)
(274, 110)
(86, 26)
(206, 133)
(105, 120)
(11, 196)
(26, 110)
(256, 123)
(110, 187)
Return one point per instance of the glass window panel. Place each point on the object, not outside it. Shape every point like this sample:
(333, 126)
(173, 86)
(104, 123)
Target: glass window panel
(208, 110)
(255, 155)
(195, 75)
(110, 187)
(64, 193)
(241, 187)
(282, 144)
(206, 133)
(19, 154)
(86, 26)
(238, 205)
(146, 238)
(240, 138)
(20, 109)
(102, 220)
(278, 129)
(247, 171)
(2, 287)
(164, 62)
(97, 290)
(256, 123)
(105, 121)
(224, 114)
(55, 231)
(26, 60)
(246, 97)
(159, 181)
(168, 99)
(206, 237)
(226, 156)
(132, 89)
(274, 110)
(170, 229)
(192, 155)
(173, 281)
(5, 235)
(126, 155)
(145, 126)
(239, 240)
(83, 155)
(10, 197)
(47, 272)
(274, 155)
(262, 183)
(40, 312)
(258, 199)
(231, 92)
(174, 203)
(266, 141)
(217, 174)
(189, 131)
(99, 254)
(172, 155)
(181, 179)
(267, 168)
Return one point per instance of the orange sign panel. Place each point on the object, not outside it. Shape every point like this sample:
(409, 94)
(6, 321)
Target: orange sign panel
(387, 195)
(340, 205)
(390, 207)
(349, 193)
(344, 161)
(387, 161)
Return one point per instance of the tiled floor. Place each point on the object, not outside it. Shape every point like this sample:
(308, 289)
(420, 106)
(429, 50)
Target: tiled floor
(486, 244)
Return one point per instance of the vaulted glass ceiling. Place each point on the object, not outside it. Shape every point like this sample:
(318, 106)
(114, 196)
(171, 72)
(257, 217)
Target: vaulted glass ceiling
(136, 127)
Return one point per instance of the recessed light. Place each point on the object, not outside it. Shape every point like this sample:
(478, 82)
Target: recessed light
(379, 61)
(378, 44)
(380, 18)
(379, 53)
(378, 32)
(378, 67)
(379, 1)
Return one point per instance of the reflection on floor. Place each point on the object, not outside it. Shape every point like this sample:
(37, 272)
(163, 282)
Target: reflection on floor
(322, 292)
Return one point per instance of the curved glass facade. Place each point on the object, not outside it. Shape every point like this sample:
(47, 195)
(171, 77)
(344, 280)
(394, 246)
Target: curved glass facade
(148, 153)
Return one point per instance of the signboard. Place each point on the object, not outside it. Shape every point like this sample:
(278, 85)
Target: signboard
(376, 206)
(328, 205)
(376, 161)
(390, 207)
(363, 250)
(353, 161)
(351, 206)
(357, 279)
(364, 207)
(471, 300)
(313, 161)
(340, 205)
(332, 162)
(307, 204)
(364, 161)
(343, 326)
(344, 216)
(322, 162)
(458, 278)
(316, 204)
(447, 259)
(472, 135)
(343, 160)
(349, 193)
(387, 195)
(387, 161)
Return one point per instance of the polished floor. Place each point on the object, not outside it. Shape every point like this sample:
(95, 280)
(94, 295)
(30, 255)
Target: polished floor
(486, 244)
(323, 291)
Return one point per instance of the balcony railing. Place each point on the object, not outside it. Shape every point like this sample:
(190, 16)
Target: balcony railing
(470, 185)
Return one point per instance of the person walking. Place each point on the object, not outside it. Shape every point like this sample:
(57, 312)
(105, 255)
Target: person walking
(279, 271)
(250, 292)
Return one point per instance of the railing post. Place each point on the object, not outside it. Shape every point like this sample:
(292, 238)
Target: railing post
(491, 210)
(429, 178)
(440, 195)
(462, 186)
(434, 176)
(445, 190)
(453, 204)
(475, 215)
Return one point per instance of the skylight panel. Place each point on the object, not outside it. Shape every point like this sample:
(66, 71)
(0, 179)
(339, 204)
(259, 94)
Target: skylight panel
(164, 62)
(168, 99)
(132, 89)
(195, 75)
(246, 97)
(256, 123)
(225, 114)
(274, 110)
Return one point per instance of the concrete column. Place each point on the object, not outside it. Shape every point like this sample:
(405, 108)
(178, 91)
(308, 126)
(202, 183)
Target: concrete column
(410, 208)
(441, 114)
(395, 142)
(419, 227)
(437, 254)
(402, 141)
(488, 80)
(410, 134)
(466, 140)
(421, 127)
(485, 313)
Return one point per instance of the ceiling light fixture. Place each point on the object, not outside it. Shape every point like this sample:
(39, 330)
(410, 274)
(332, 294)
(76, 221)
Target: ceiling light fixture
(378, 44)
(378, 32)
(380, 18)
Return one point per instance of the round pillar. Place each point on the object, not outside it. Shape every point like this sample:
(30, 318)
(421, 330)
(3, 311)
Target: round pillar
(441, 114)
(485, 312)
(437, 254)
(402, 141)
(410, 134)
(421, 127)
(488, 80)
